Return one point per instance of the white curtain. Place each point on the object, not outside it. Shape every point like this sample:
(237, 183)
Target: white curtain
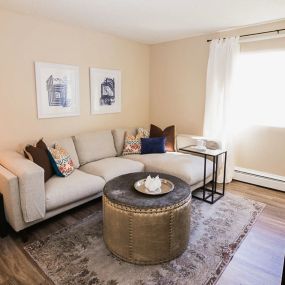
(218, 121)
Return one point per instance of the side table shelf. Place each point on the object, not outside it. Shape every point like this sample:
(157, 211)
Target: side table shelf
(209, 195)
(3, 222)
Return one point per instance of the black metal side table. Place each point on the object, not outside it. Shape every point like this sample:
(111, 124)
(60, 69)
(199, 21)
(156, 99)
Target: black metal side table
(3, 222)
(203, 193)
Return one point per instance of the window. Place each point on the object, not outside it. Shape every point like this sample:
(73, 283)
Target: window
(260, 96)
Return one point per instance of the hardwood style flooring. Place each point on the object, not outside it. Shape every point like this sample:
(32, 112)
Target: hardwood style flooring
(258, 261)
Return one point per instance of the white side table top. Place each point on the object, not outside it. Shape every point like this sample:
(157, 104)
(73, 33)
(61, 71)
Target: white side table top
(207, 151)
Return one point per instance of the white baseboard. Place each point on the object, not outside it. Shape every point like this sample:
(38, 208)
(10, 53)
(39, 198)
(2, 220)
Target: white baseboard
(264, 179)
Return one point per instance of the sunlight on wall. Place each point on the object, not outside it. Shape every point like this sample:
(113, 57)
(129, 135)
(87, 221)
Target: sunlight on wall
(260, 91)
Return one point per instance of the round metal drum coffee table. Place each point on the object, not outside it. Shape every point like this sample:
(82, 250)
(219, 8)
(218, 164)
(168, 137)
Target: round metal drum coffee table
(145, 229)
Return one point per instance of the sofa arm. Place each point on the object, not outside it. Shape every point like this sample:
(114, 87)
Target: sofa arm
(10, 191)
(183, 140)
(30, 183)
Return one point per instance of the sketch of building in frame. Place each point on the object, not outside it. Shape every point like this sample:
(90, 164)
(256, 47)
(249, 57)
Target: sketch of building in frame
(105, 91)
(57, 90)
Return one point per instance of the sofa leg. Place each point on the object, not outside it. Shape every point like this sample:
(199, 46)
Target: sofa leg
(24, 236)
(3, 222)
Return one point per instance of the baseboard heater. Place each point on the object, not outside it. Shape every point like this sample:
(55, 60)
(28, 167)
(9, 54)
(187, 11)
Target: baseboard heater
(263, 179)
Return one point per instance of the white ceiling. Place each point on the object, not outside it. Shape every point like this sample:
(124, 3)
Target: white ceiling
(153, 21)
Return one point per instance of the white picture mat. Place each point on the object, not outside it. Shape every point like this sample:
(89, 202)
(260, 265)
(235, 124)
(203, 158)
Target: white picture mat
(97, 76)
(43, 71)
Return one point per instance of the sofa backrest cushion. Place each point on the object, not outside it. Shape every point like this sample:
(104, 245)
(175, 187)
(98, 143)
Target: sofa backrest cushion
(119, 138)
(94, 146)
(68, 145)
(183, 140)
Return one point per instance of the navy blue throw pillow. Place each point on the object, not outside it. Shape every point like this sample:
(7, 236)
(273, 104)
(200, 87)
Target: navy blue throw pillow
(153, 145)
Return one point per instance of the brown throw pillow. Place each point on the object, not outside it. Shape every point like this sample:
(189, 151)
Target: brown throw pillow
(168, 132)
(39, 155)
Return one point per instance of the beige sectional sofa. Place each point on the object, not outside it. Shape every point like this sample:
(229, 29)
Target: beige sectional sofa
(97, 157)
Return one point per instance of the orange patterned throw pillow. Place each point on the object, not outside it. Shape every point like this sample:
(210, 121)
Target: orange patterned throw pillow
(133, 143)
(60, 160)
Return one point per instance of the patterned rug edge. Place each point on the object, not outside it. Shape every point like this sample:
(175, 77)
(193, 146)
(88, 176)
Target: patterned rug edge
(36, 264)
(238, 242)
(66, 228)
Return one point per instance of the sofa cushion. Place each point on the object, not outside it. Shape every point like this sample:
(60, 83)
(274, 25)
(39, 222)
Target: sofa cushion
(169, 133)
(39, 154)
(119, 138)
(68, 145)
(94, 146)
(109, 168)
(153, 145)
(60, 160)
(188, 167)
(133, 143)
(63, 191)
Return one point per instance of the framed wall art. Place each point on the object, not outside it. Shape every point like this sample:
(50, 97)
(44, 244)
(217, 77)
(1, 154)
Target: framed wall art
(57, 90)
(105, 91)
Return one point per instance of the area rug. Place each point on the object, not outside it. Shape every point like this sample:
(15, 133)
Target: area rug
(77, 254)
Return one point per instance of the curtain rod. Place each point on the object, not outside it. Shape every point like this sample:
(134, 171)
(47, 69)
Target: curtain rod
(256, 34)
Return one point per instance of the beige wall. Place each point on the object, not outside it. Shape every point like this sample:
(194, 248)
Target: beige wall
(262, 148)
(177, 88)
(26, 39)
(177, 84)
